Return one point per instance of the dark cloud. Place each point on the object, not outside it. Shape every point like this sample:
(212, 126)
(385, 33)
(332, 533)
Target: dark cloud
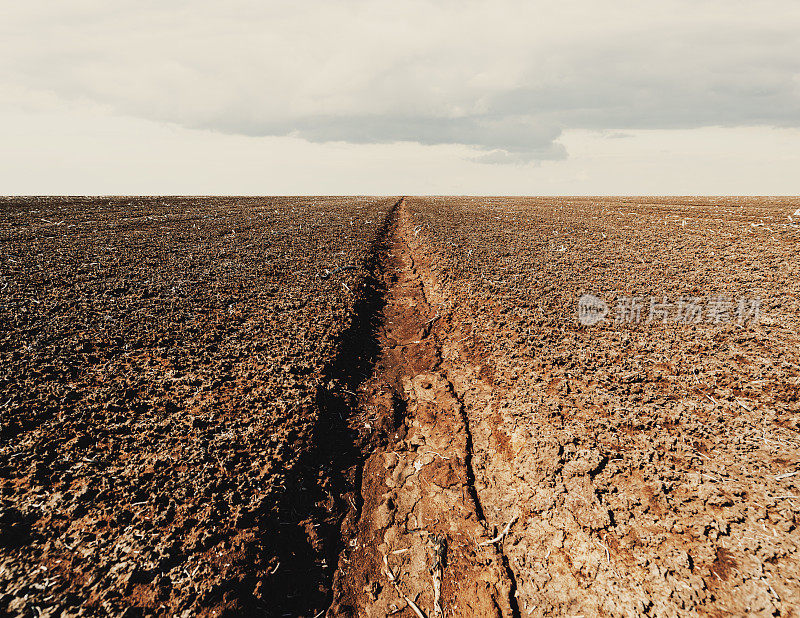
(517, 136)
(505, 78)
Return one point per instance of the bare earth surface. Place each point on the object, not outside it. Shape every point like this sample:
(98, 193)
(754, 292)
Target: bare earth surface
(371, 407)
(163, 366)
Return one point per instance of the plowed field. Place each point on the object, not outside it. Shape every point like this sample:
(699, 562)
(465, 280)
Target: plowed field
(383, 406)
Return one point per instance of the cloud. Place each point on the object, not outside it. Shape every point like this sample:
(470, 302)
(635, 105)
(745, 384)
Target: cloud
(504, 77)
(519, 137)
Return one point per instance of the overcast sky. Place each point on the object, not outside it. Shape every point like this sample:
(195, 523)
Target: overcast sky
(412, 97)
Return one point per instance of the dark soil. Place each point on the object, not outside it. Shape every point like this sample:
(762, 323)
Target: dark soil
(164, 382)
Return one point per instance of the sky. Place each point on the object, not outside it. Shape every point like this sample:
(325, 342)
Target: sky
(502, 97)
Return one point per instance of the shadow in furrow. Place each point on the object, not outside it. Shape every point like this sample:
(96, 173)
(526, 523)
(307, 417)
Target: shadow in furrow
(324, 488)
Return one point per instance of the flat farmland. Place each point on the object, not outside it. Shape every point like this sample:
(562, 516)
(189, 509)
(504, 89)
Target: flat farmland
(647, 465)
(161, 367)
(400, 406)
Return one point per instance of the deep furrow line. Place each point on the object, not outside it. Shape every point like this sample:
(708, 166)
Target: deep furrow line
(419, 539)
(469, 438)
(329, 474)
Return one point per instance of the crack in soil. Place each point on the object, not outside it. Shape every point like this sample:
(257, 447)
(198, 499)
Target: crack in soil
(512, 598)
(467, 429)
(465, 420)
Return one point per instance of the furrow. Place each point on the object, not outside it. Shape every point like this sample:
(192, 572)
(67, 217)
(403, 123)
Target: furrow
(419, 541)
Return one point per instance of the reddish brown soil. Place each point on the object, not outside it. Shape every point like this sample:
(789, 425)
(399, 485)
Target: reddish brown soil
(206, 414)
(646, 469)
(420, 518)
